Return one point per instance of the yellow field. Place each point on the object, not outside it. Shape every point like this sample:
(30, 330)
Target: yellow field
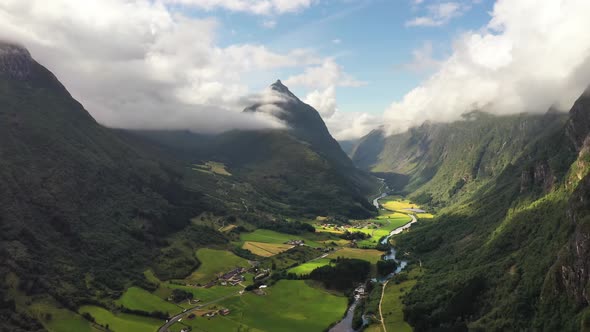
(398, 205)
(266, 249)
(212, 167)
(370, 255)
(425, 216)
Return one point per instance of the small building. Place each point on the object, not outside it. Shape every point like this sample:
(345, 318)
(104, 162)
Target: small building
(224, 312)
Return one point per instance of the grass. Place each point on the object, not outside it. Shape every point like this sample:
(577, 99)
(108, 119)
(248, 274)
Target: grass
(370, 255)
(139, 299)
(266, 249)
(268, 236)
(56, 319)
(307, 267)
(212, 167)
(121, 322)
(388, 222)
(392, 306)
(289, 305)
(214, 262)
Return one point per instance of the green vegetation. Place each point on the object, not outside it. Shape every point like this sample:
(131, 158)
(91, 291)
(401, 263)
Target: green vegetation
(289, 305)
(213, 263)
(343, 275)
(121, 322)
(268, 236)
(392, 305)
(136, 298)
(370, 255)
(306, 268)
(56, 319)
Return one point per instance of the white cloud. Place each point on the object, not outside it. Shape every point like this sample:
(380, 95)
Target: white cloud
(422, 59)
(336, 41)
(329, 73)
(531, 56)
(439, 14)
(139, 64)
(323, 101)
(258, 7)
(352, 125)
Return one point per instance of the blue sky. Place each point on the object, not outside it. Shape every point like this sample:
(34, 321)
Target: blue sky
(369, 39)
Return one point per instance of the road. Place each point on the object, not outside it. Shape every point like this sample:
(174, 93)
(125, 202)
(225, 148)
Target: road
(381, 301)
(175, 319)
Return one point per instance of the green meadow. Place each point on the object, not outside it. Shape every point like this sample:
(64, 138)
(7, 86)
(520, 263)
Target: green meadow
(139, 299)
(307, 267)
(268, 236)
(121, 322)
(388, 222)
(392, 305)
(214, 262)
(289, 305)
(56, 319)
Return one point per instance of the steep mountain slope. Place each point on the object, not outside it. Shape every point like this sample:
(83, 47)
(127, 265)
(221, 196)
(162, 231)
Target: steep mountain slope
(302, 167)
(449, 162)
(510, 254)
(82, 210)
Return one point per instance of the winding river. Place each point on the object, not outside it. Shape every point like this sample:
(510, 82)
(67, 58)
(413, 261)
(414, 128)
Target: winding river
(345, 325)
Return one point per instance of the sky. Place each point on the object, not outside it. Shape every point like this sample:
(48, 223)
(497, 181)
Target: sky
(195, 64)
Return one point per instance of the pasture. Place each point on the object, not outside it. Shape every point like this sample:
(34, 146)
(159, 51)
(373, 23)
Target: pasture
(289, 305)
(136, 298)
(307, 267)
(268, 236)
(121, 322)
(213, 263)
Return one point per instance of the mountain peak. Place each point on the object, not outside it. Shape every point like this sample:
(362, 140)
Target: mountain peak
(279, 87)
(15, 61)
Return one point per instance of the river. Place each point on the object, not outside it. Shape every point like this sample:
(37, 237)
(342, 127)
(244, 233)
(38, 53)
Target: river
(345, 325)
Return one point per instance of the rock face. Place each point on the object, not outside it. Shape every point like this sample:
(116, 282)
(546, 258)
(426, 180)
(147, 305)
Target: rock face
(578, 126)
(15, 62)
(539, 175)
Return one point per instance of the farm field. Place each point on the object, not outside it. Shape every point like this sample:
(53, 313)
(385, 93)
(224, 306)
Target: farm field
(392, 305)
(388, 223)
(212, 167)
(62, 320)
(289, 305)
(370, 255)
(214, 262)
(268, 236)
(396, 204)
(121, 322)
(307, 267)
(136, 298)
(266, 249)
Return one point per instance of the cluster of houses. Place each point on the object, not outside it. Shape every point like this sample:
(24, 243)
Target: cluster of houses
(233, 277)
(213, 313)
(295, 242)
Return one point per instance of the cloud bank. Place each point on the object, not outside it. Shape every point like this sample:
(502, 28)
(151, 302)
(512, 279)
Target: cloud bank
(531, 56)
(140, 64)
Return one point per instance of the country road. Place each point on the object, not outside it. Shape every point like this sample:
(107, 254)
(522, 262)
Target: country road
(175, 319)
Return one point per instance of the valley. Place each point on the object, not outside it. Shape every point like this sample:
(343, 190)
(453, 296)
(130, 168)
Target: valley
(262, 293)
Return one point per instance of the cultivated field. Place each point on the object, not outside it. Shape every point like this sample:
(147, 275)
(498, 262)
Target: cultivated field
(214, 262)
(121, 322)
(266, 249)
(139, 299)
(306, 268)
(370, 255)
(289, 305)
(268, 236)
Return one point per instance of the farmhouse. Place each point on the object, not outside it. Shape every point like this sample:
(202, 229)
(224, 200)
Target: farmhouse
(295, 242)
(224, 312)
